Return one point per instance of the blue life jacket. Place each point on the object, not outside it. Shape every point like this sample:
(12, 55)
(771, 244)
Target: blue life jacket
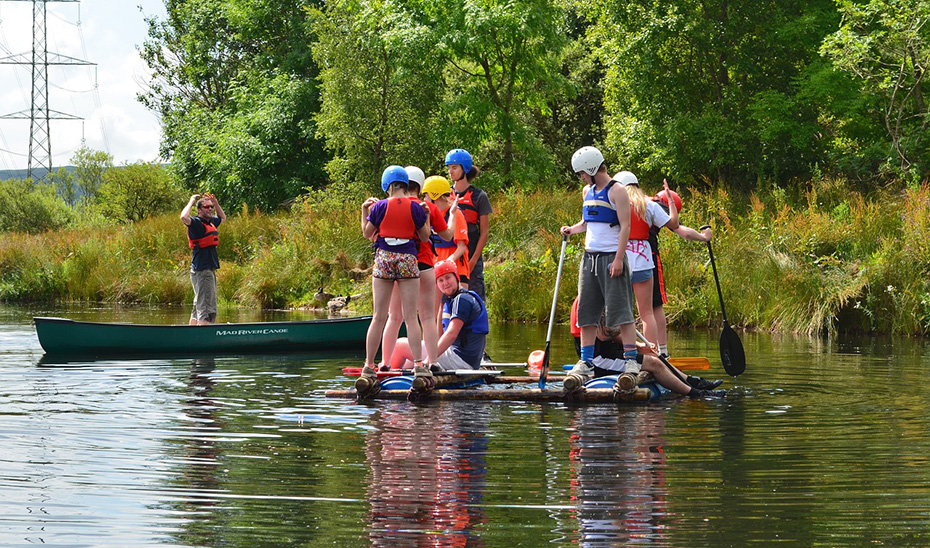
(478, 325)
(597, 207)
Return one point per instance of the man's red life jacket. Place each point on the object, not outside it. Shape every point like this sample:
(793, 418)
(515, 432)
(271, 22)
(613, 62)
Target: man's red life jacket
(211, 238)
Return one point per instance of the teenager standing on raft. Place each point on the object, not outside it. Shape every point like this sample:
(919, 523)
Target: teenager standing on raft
(428, 303)
(604, 273)
(669, 201)
(399, 224)
(454, 248)
(203, 239)
(474, 204)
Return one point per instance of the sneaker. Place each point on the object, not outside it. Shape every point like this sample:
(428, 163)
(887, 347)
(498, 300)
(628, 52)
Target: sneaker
(583, 368)
(384, 367)
(702, 383)
(632, 366)
(423, 379)
(367, 384)
(580, 374)
(435, 367)
(702, 394)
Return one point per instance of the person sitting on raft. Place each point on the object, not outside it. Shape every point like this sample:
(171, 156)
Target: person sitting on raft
(464, 325)
(609, 360)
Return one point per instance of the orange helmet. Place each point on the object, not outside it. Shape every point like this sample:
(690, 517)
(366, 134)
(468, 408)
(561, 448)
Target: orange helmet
(663, 197)
(445, 267)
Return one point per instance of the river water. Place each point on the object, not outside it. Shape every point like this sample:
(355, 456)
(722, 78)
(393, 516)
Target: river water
(822, 443)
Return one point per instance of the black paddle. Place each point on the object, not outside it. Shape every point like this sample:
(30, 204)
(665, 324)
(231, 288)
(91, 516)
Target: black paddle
(544, 369)
(731, 349)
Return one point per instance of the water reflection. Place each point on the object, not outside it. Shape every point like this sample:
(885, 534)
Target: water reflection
(428, 475)
(619, 468)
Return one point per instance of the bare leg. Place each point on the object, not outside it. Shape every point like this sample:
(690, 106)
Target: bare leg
(409, 290)
(664, 377)
(426, 309)
(392, 327)
(661, 325)
(401, 356)
(643, 292)
(381, 296)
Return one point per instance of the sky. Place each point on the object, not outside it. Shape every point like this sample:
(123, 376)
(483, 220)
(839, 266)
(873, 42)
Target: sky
(104, 32)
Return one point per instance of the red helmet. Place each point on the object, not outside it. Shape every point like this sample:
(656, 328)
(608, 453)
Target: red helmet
(663, 197)
(445, 267)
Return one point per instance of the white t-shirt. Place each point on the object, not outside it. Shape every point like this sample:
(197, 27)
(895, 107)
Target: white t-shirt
(639, 252)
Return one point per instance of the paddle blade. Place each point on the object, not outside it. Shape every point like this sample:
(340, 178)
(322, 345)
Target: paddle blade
(691, 364)
(731, 352)
(544, 369)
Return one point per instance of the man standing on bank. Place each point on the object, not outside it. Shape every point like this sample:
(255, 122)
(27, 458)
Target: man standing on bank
(203, 239)
(604, 273)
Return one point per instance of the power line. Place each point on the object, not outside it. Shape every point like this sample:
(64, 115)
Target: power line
(39, 113)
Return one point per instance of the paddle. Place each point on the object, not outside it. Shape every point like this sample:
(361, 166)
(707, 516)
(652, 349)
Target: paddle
(662, 358)
(544, 370)
(731, 349)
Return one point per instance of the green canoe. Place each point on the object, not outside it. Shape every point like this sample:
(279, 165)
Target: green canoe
(60, 336)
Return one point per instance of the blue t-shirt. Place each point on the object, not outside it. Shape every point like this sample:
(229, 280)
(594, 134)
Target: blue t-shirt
(467, 306)
(204, 258)
(376, 215)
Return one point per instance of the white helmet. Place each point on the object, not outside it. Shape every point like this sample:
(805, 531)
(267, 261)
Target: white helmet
(625, 178)
(415, 175)
(587, 159)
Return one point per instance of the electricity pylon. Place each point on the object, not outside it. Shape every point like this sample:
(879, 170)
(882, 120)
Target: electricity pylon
(39, 113)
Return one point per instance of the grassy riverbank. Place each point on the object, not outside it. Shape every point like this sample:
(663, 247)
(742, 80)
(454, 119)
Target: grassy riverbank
(822, 261)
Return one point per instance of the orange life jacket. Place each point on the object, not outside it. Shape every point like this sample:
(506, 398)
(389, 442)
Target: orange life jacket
(398, 220)
(211, 238)
(639, 229)
(468, 208)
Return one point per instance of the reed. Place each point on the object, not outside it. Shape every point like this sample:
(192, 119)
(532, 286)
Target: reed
(823, 260)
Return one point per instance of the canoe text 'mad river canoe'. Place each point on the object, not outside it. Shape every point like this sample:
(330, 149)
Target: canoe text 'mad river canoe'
(60, 336)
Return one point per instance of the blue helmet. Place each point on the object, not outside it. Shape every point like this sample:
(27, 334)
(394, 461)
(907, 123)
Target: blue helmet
(461, 157)
(393, 174)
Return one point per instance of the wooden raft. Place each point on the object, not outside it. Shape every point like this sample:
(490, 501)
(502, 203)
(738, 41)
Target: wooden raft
(598, 395)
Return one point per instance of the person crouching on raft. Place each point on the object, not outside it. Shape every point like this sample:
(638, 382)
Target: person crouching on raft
(438, 190)
(399, 224)
(609, 360)
(464, 325)
(428, 303)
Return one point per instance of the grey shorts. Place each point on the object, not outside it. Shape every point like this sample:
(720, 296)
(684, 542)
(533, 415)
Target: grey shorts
(204, 282)
(451, 361)
(598, 293)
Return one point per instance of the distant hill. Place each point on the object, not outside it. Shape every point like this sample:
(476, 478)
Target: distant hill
(21, 173)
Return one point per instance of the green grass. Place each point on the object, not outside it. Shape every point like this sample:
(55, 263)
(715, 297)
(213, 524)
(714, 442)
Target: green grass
(822, 261)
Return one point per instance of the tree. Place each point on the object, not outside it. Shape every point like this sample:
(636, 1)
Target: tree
(234, 83)
(885, 44)
(381, 86)
(64, 184)
(29, 207)
(504, 70)
(713, 87)
(89, 167)
(133, 192)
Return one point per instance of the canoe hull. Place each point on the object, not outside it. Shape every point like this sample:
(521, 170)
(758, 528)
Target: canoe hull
(61, 336)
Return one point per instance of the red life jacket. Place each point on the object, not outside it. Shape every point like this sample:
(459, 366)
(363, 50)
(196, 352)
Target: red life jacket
(467, 206)
(398, 219)
(639, 229)
(210, 239)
